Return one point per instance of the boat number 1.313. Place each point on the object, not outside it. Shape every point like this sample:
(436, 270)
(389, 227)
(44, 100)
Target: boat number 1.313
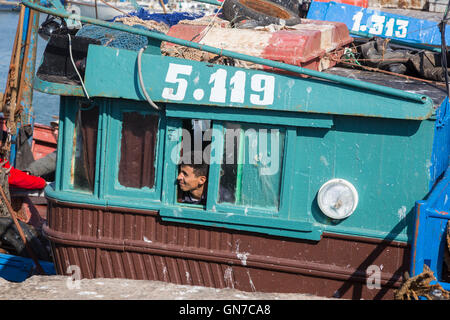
(379, 25)
(222, 87)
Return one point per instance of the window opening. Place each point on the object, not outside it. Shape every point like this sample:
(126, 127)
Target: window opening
(84, 148)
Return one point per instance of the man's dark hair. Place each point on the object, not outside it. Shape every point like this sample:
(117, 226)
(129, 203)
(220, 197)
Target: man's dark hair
(195, 162)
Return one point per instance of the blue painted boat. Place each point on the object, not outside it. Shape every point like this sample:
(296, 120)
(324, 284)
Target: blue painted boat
(17, 269)
(312, 180)
(370, 22)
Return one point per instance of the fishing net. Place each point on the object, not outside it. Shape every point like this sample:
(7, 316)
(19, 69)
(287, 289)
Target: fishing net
(114, 38)
(169, 19)
(140, 19)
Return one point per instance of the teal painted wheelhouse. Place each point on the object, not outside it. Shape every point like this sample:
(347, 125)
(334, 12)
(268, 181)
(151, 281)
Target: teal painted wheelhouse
(381, 141)
(378, 138)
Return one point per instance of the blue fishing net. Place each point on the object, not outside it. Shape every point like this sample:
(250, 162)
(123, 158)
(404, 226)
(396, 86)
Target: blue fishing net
(114, 38)
(125, 40)
(170, 19)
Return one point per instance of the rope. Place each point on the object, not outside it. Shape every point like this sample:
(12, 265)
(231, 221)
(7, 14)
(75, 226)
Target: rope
(420, 285)
(75, 67)
(141, 80)
(203, 33)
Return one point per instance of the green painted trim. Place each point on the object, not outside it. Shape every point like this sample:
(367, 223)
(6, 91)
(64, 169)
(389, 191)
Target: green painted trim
(237, 193)
(315, 235)
(67, 140)
(55, 88)
(214, 179)
(174, 80)
(226, 215)
(59, 169)
(70, 114)
(250, 116)
(369, 234)
(112, 152)
(102, 147)
(172, 150)
(213, 2)
(191, 215)
(356, 84)
(287, 178)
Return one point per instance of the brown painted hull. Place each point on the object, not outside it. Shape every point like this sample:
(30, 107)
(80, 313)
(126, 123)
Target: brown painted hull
(120, 243)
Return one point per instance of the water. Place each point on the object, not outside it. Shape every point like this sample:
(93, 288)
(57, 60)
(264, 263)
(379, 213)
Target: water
(45, 106)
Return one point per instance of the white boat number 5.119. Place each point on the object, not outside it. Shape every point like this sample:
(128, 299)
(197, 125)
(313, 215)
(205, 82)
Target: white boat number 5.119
(262, 86)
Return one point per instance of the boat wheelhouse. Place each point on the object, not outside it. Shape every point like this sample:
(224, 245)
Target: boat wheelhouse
(312, 179)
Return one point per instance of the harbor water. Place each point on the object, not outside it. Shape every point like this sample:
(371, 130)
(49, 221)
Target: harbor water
(46, 107)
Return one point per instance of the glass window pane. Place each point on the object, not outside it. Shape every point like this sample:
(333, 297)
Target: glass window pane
(85, 148)
(252, 166)
(137, 151)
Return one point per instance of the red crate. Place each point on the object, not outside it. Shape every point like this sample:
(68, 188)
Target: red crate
(313, 44)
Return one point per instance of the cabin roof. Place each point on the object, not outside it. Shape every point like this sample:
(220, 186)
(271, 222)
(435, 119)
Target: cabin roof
(436, 91)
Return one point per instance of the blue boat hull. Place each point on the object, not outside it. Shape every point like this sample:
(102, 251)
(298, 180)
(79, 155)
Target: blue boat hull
(18, 269)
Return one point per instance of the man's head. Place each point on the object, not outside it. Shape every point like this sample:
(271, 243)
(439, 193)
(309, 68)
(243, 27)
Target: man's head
(192, 176)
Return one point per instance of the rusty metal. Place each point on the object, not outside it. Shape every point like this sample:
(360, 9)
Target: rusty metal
(11, 83)
(16, 66)
(25, 84)
(11, 91)
(19, 86)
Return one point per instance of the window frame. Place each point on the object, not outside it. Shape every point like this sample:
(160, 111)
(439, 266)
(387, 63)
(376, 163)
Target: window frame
(280, 223)
(112, 188)
(214, 182)
(287, 222)
(69, 114)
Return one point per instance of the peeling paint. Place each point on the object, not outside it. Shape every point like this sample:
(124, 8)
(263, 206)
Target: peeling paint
(165, 274)
(241, 255)
(188, 277)
(252, 285)
(324, 161)
(402, 212)
(228, 277)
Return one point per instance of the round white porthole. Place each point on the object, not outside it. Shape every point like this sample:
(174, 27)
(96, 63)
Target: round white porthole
(337, 198)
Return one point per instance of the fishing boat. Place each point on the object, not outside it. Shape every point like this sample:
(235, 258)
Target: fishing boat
(100, 9)
(320, 179)
(108, 10)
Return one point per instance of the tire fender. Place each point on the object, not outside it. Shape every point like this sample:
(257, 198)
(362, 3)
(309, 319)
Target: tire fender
(264, 11)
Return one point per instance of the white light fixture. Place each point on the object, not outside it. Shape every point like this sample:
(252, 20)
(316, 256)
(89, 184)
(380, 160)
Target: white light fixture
(337, 198)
